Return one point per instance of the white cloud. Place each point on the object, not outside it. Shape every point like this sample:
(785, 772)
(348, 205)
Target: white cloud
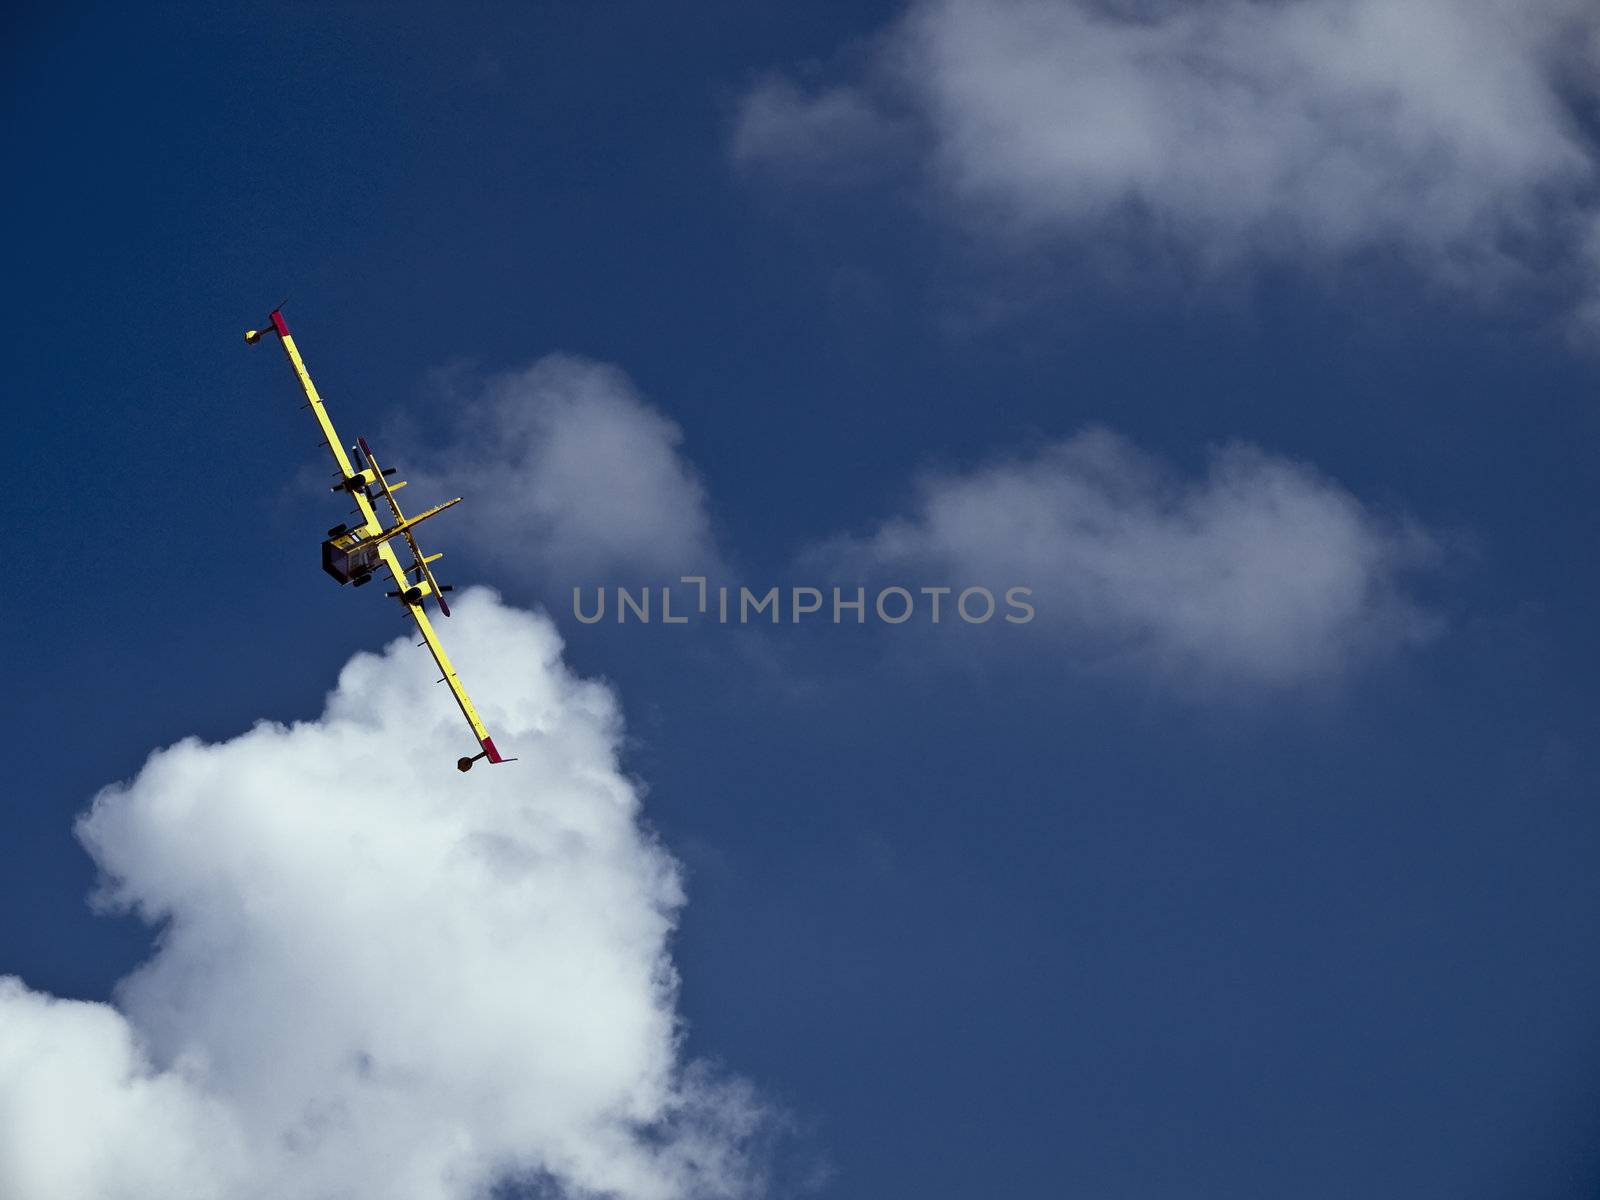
(838, 129)
(377, 976)
(573, 478)
(1231, 129)
(1262, 573)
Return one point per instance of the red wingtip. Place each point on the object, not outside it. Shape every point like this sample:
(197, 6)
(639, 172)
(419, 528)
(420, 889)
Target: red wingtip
(278, 324)
(488, 748)
(365, 449)
(443, 607)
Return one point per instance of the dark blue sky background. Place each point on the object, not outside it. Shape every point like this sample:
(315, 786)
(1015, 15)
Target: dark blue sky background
(984, 926)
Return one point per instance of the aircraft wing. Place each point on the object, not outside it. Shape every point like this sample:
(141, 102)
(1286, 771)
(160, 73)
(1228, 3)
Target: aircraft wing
(355, 483)
(314, 403)
(447, 671)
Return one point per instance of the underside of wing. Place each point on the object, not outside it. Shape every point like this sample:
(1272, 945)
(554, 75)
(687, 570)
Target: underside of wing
(353, 554)
(448, 676)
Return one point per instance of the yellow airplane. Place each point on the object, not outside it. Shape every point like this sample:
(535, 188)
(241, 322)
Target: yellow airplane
(352, 554)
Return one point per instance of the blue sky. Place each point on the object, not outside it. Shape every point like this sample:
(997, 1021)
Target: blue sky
(1260, 864)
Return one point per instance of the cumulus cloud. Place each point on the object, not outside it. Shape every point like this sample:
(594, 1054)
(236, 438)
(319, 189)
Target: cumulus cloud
(1261, 573)
(376, 976)
(574, 477)
(1447, 130)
